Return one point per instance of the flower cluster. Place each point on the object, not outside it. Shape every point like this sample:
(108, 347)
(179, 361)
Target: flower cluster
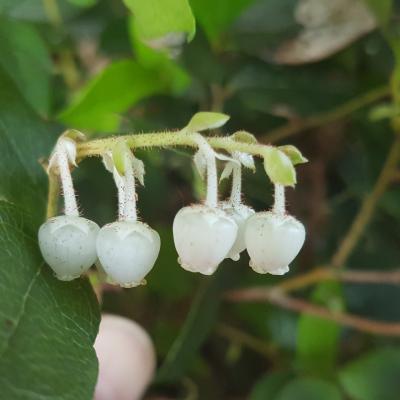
(204, 234)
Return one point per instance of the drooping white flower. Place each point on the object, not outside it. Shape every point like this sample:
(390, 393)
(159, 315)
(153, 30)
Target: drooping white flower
(273, 241)
(203, 237)
(68, 245)
(127, 251)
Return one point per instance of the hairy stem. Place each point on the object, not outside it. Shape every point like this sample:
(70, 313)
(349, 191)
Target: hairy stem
(279, 207)
(236, 191)
(120, 184)
(70, 205)
(212, 178)
(167, 139)
(130, 213)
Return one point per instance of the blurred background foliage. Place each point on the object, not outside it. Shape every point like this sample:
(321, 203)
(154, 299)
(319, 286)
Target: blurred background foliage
(320, 69)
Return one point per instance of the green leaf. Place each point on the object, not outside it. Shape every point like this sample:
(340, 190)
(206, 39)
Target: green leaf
(309, 389)
(269, 386)
(198, 324)
(158, 62)
(215, 17)
(113, 91)
(318, 339)
(279, 167)
(382, 9)
(119, 152)
(244, 137)
(373, 376)
(83, 3)
(206, 120)
(294, 154)
(20, 42)
(163, 23)
(48, 326)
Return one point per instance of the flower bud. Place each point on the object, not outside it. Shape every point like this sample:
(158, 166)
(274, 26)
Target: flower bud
(273, 241)
(127, 251)
(68, 245)
(203, 237)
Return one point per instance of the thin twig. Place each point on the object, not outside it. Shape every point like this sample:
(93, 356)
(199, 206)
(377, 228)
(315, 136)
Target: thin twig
(279, 298)
(243, 338)
(344, 110)
(368, 206)
(391, 277)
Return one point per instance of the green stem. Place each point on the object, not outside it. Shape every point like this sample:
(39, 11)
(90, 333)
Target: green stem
(167, 139)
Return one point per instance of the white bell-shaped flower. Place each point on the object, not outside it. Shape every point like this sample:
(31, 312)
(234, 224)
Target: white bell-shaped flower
(203, 237)
(68, 245)
(273, 241)
(127, 251)
(240, 213)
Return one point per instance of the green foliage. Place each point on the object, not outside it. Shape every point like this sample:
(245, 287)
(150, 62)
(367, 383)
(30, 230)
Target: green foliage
(216, 16)
(20, 42)
(318, 339)
(206, 120)
(269, 386)
(382, 10)
(279, 167)
(83, 3)
(373, 376)
(163, 23)
(294, 154)
(244, 137)
(139, 66)
(118, 87)
(48, 326)
(309, 389)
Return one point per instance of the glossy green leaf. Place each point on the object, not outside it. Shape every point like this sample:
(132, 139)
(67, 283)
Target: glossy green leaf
(294, 154)
(202, 121)
(113, 91)
(373, 376)
(269, 386)
(20, 42)
(216, 16)
(83, 3)
(48, 326)
(309, 389)
(318, 339)
(163, 23)
(159, 63)
(279, 167)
